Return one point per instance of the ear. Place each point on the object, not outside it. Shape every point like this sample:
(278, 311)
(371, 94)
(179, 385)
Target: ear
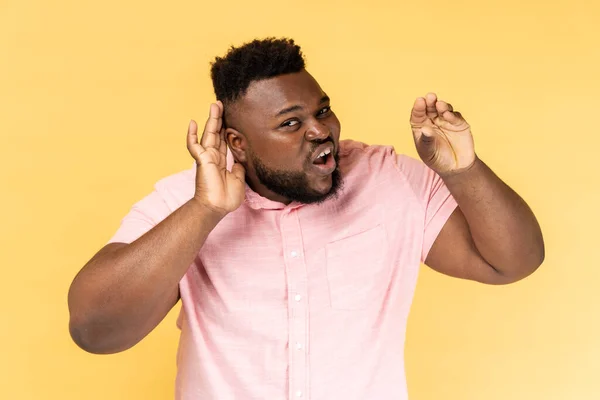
(237, 143)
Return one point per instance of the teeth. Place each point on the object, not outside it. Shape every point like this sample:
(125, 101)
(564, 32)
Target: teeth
(325, 153)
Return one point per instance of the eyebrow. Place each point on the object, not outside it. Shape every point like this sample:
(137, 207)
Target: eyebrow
(296, 107)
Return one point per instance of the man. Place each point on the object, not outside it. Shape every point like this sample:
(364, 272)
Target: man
(296, 259)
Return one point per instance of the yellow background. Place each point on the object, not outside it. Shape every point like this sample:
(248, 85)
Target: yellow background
(94, 105)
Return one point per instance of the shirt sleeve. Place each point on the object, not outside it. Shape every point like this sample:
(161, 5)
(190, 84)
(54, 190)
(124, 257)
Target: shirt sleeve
(433, 195)
(142, 217)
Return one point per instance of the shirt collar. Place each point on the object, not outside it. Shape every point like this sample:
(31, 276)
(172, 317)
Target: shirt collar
(253, 199)
(258, 202)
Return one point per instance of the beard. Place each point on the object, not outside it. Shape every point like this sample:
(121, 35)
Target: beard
(294, 185)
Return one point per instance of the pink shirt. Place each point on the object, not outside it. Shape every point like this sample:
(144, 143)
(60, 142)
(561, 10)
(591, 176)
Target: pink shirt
(304, 301)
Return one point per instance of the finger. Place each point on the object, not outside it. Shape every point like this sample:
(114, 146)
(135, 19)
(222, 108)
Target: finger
(441, 107)
(212, 128)
(447, 113)
(453, 117)
(215, 138)
(221, 114)
(193, 147)
(223, 149)
(222, 107)
(418, 114)
(430, 100)
(222, 134)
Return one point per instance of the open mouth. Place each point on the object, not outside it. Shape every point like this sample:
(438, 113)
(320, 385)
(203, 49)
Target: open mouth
(323, 157)
(324, 160)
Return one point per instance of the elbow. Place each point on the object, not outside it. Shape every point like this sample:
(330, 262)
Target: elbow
(535, 260)
(92, 328)
(83, 339)
(524, 269)
(536, 256)
(525, 260)
(92, 339)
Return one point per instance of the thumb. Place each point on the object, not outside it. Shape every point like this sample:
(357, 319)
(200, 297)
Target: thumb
(426, 144)
(427, 136)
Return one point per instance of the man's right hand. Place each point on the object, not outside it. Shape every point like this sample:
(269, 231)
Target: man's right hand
(216, 187)
(126, 289)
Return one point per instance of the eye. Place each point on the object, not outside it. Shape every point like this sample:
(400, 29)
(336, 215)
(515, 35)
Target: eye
(324, 111)
(290, 122)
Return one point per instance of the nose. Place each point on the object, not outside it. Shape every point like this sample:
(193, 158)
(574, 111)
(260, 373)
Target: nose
(317, 131)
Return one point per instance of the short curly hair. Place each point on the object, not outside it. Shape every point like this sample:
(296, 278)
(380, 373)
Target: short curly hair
(256, 60)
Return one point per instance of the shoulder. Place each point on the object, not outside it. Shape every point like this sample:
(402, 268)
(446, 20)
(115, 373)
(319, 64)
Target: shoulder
(381, 158)
(353, 153)
(368, 169)
(377, 158)
(177, 179)
(355, 149)
(177, 188)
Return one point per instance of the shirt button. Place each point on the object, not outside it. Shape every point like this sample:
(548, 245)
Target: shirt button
(294, 254)
(298, 394)
(298, 297)
(299, 346)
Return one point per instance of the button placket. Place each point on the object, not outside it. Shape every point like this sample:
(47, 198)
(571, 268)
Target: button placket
(297, 303)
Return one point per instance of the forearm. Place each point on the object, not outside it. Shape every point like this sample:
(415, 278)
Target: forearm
(503, 227)
(121, 295)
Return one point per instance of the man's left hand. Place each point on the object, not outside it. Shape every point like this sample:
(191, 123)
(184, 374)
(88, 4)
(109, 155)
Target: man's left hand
(442, 136)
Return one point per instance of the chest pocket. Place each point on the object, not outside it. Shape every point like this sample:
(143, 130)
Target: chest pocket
(357, 272)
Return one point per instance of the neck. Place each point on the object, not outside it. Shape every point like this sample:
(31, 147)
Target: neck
(263, 191)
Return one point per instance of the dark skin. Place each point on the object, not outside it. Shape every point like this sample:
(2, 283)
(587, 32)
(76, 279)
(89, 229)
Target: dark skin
(472, 246)
(493, 236)
(125, 290)
(282, 140)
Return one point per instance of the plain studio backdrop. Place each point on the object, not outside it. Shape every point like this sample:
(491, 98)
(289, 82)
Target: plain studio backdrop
(95, 99)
